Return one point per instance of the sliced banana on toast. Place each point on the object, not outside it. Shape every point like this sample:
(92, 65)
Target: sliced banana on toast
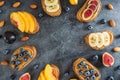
(99, 40)
(51, 7)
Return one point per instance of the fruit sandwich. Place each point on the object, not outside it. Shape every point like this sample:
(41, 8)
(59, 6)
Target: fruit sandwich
(52, 7)
(99, 40)
(89, 10)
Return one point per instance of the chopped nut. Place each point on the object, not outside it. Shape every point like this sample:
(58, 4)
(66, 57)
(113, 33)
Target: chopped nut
(24, 38)
(112, 23)
(4, 63)
(110, 6)
(2, 23)
(16, 4)
(2, 3)
(116, 49)
(33, 6)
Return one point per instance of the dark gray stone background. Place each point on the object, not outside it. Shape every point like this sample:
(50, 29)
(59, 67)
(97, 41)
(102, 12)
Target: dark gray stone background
(61, 39)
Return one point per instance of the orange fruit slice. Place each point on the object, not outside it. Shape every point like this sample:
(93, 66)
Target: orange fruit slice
(17, 20)
(73, 2)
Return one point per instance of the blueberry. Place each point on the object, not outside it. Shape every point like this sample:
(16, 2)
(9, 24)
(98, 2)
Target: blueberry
(87, 73)
(67, 9)
(90, 27)
(87, 78)
(86, 66)
(110, 78)
(95, 57)
(20, 55)
(6, 51)
(12, 77)
(26, 53)
(79, 66)
(15, 57)
(103, 21)
(40, 15)
(25, 59)
(22, 50)
(12, 62)
(118, 67)
(82, 63)
(81, 72)
(1, 11)
(1, 36)
(17, 62)
(96, 74)
(9, 37)
(92, 71)
(93, 77)
(36, 66)
(66, 74)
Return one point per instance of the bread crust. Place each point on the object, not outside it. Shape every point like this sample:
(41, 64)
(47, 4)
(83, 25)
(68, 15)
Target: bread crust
(76, 69)
(32, 52)
(57, 13)
(96, 48)
(95, 14)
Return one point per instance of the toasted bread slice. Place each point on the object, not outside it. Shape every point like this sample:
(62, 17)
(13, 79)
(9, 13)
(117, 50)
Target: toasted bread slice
(28, 52)
(48, 75)
(94, 15)
(79, 66)
(57, 13)
(96, 48)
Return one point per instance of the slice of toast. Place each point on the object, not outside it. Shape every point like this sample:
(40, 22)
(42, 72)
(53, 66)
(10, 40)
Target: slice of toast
(57, 13)
(85, 73)
(94, 15)
(18, 57)
(96, 48)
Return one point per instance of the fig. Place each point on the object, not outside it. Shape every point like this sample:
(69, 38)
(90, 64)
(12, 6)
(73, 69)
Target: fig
(25, 76)
(87, 14)
(107, 59)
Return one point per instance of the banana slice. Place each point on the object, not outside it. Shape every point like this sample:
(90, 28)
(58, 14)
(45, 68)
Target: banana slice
(93, 40)
(100, 40)
(106, 38)
(53, 8)
(50, 2)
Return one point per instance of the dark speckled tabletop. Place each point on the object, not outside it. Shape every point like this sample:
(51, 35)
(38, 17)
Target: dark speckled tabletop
(61, 39)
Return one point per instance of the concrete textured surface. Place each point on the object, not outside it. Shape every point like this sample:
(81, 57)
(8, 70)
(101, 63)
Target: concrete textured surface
(61, 39)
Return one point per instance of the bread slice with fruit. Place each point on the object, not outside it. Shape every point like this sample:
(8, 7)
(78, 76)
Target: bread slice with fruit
(25, 22)
(89, 11)
(51, 72)
(52, 7)
(22, 56)
(85, 70)
(99, 40)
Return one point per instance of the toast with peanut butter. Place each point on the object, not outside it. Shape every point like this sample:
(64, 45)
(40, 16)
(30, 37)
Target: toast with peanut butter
(52, 7)
(85, 70)
(22, 56)
(99, 40)
(89, 11)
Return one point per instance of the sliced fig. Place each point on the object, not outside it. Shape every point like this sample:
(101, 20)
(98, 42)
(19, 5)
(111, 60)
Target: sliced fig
(87, 14)
(25, 76)
(92, 7)
(107, 59)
